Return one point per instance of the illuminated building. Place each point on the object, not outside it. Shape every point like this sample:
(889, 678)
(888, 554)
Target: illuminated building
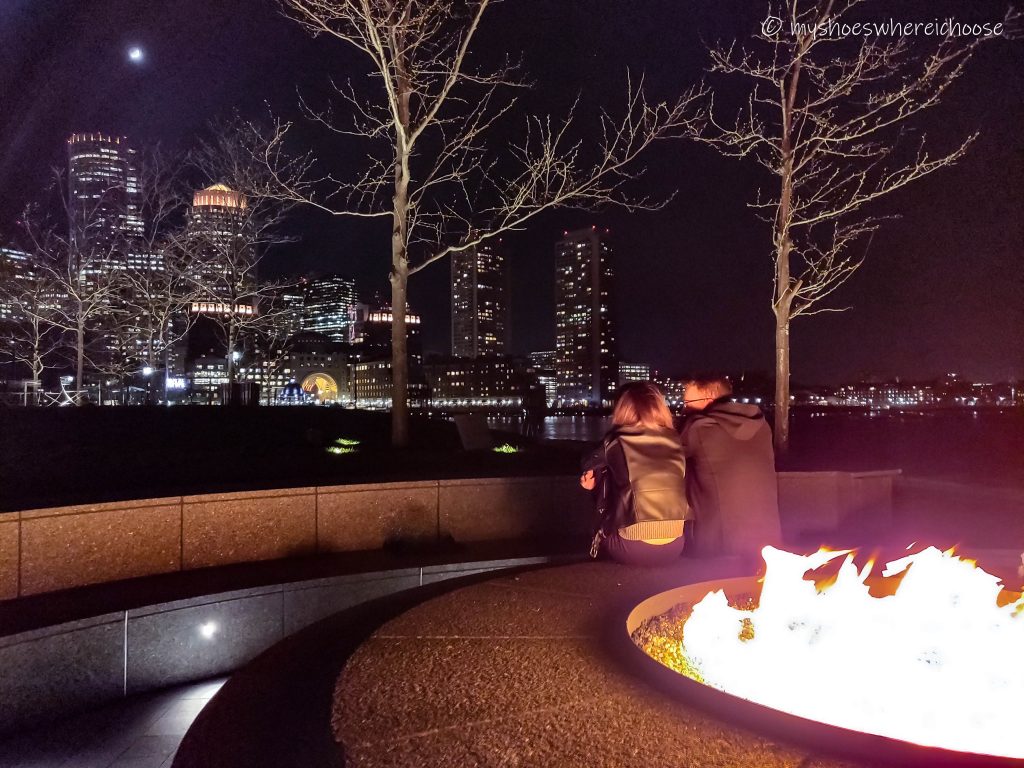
(674, 389)
(544, 367)
(14, 265)
(490, 382)
(289, 303)
(585, 360)
(207, 374)
(479, 306)
(328, 305)
(314, 363)
(370, 331)
(105, 203)
(219, 263)
(372, 385)
(633, 372)
(544, 359)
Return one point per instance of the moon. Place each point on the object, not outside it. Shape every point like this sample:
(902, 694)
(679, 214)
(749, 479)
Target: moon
(135, 54)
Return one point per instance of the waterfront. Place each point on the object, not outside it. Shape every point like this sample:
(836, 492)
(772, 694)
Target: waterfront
(963, 445)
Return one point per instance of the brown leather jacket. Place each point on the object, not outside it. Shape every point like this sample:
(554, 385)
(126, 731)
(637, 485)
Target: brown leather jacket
(641, 477)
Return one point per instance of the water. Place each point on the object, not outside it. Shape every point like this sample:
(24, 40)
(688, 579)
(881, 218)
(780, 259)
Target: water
(981, 446)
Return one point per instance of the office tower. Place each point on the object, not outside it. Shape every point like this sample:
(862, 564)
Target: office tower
(15, 266)
(544, 359)
(544, 369)
(221, 263)
(634, 372)
(328, 305)
(105, 203)
(479, 301)
(289, 304)
(370, 332)
(586, 363)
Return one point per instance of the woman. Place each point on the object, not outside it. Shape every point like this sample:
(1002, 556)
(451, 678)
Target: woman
(639, 471)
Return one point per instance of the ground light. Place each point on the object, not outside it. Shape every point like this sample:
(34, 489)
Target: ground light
(343, 445)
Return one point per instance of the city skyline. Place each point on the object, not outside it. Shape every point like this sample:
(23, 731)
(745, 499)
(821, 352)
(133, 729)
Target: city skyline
(915, 311)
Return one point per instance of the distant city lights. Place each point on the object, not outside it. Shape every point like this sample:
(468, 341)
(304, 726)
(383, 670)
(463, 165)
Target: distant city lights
(136, 55)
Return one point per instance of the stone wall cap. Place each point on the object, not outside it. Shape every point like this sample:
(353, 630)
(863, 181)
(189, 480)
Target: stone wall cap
(201, 600)
(810, 475)
(206, 498)
(112, 506)
(357, 487)
(463, 481)
(42, 633)
(347, 579)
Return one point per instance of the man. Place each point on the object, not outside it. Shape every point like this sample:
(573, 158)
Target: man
(730, 472)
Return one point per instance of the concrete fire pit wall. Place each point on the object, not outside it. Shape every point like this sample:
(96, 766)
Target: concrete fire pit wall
(44, 550)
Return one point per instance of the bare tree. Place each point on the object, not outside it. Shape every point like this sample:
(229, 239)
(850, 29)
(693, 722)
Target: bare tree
(29, 336)
(158, 295)
(159, 304)
(270, 342)
(426, 113)
(84, 272)
(826, 115)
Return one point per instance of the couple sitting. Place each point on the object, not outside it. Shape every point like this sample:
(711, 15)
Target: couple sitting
(651, 480)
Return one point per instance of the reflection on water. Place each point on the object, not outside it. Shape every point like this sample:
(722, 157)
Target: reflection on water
(586, 428)
(962, 445)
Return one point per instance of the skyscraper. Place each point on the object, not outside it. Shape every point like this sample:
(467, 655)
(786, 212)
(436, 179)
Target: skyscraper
(328, 305)
(220, 264)
(105, 202)
(586, 363)
(15, 265)
(479, 301)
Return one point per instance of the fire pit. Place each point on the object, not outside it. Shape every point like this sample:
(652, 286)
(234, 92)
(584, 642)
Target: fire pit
(924, 656)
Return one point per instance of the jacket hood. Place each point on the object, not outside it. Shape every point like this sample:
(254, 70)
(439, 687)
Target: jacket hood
(741, 421)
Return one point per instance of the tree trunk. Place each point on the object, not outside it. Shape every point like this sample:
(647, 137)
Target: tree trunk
(785, 292)
(399, 353)
(79, 360)
(782, 379)
(399, 288)
(400, 257)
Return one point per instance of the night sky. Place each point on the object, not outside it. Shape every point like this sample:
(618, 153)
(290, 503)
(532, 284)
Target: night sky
(942, 289)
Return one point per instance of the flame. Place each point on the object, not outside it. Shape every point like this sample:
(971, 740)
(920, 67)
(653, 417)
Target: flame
(932, 663)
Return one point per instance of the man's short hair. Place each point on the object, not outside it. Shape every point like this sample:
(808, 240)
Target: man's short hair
(715, 386)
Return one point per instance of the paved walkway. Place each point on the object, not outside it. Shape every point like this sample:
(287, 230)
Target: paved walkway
(532, 671)
(140, 732)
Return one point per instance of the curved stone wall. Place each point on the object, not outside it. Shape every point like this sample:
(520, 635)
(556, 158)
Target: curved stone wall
(53, 670)
(44, 550)
(56, 670)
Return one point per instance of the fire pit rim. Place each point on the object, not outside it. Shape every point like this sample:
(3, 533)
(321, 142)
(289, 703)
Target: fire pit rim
(774, 723)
